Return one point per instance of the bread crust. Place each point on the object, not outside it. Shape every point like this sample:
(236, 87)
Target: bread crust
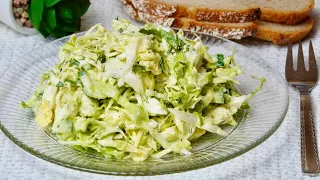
(226, 30)
(158, 8)
(283, 38)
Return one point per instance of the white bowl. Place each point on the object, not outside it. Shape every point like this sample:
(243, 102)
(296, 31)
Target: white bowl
(7, 17)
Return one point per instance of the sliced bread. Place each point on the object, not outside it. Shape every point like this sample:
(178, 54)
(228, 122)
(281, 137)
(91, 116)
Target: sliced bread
(283, 34)
(226, 30)
(275, 32)
(228, 11)
(285, 11)
(218, 12)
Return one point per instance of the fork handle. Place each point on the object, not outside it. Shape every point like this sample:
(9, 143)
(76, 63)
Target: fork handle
(309, 152)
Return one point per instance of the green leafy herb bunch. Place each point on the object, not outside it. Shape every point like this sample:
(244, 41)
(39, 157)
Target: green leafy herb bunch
(57, 17)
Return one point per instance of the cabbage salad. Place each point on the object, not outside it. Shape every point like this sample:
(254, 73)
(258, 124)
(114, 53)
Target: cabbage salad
(137, 92)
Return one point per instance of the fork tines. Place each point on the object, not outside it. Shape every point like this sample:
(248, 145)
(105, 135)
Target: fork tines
(300, 61)
(312, 60)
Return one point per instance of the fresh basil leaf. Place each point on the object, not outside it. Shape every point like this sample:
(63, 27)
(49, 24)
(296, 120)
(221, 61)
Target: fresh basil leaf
(36, 7)
(57, 32)
(84, 6)
(50, 17)
(68, 20)
(71, 27)
(43, 30)
(50, 3)
(76, 11)
(64, 11)
(47, 28)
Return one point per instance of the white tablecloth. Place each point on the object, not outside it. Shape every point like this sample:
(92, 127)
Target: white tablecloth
(276, 158)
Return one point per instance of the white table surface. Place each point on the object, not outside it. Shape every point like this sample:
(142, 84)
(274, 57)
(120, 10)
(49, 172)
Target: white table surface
(276, 158)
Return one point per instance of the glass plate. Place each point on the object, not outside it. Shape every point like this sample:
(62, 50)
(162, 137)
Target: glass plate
(268, 109)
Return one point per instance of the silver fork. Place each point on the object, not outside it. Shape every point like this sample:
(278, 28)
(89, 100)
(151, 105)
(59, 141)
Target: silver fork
(304, 81)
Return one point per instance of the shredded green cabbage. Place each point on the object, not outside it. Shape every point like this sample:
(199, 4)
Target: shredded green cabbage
(137, 93)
